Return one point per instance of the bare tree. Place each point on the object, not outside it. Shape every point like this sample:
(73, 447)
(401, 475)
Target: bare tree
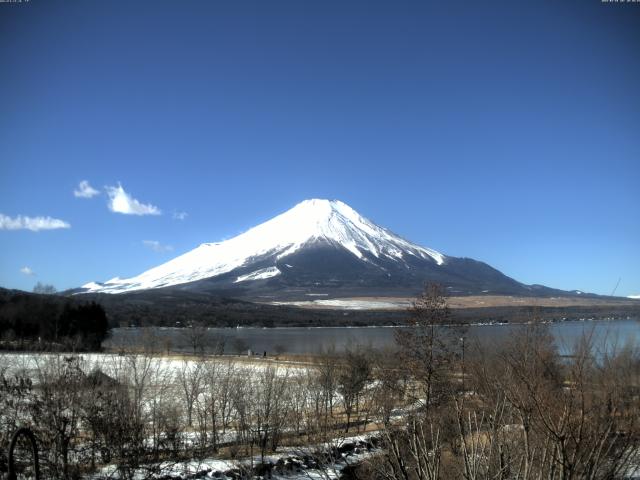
(196, 336)
(269, 410)
(299, 399)
(352, 379)
(218, 343)
(428, 346)
(327, 378)
(163, 408)
(44, 288)
(411, 452)
(389, 388)
(427, 354)
(56, 409)
(542, 417)
(190, 378)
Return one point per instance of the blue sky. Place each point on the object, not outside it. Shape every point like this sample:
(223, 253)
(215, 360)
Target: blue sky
(504, 131)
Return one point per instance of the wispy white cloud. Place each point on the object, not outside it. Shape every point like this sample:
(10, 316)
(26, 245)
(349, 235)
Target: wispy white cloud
(121, 202)
(85, 190)
(34, 224)
(180, 215)
(156, 246)
(27, 271)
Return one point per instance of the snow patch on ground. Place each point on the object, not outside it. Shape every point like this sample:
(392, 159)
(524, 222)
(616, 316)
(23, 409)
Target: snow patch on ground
(290, 459)
(32, 365)
(351, 304)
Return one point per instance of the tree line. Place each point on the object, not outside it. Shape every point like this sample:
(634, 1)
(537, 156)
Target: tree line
(50, 322)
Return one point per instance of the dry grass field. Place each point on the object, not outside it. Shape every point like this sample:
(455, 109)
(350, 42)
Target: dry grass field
(473, 301)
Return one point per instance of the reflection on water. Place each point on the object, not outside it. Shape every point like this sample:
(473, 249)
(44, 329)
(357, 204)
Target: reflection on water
(614, 333)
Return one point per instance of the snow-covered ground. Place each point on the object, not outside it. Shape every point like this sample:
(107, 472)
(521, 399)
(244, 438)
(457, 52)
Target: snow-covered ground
(12, 363)
(290, 463)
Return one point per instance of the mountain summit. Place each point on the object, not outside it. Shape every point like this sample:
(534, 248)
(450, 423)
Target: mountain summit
(319, 247)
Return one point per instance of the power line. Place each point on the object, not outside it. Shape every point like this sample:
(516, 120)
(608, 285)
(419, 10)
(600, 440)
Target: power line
(616, 287)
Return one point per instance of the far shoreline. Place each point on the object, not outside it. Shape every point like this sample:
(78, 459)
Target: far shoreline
(319, 327)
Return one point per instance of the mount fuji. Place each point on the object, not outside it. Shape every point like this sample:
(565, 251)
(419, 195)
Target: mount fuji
(318, 248)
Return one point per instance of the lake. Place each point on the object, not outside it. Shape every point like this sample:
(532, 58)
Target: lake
(610, 333)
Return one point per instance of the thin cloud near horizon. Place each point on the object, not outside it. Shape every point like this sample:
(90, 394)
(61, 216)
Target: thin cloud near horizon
(35, 224)
(156, 246)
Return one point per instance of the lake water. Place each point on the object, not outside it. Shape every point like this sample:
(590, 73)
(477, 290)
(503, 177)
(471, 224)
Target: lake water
(612, 333)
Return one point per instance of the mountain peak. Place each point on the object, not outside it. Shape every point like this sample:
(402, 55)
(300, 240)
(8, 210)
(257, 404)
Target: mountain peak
(317, 203)
(320, 207)
(310, 222)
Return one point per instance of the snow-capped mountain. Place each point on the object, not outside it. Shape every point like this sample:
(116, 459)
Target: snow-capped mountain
(319, 247)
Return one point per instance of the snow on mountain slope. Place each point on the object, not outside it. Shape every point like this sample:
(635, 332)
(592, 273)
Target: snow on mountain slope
(308, 222)
(259, 274)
